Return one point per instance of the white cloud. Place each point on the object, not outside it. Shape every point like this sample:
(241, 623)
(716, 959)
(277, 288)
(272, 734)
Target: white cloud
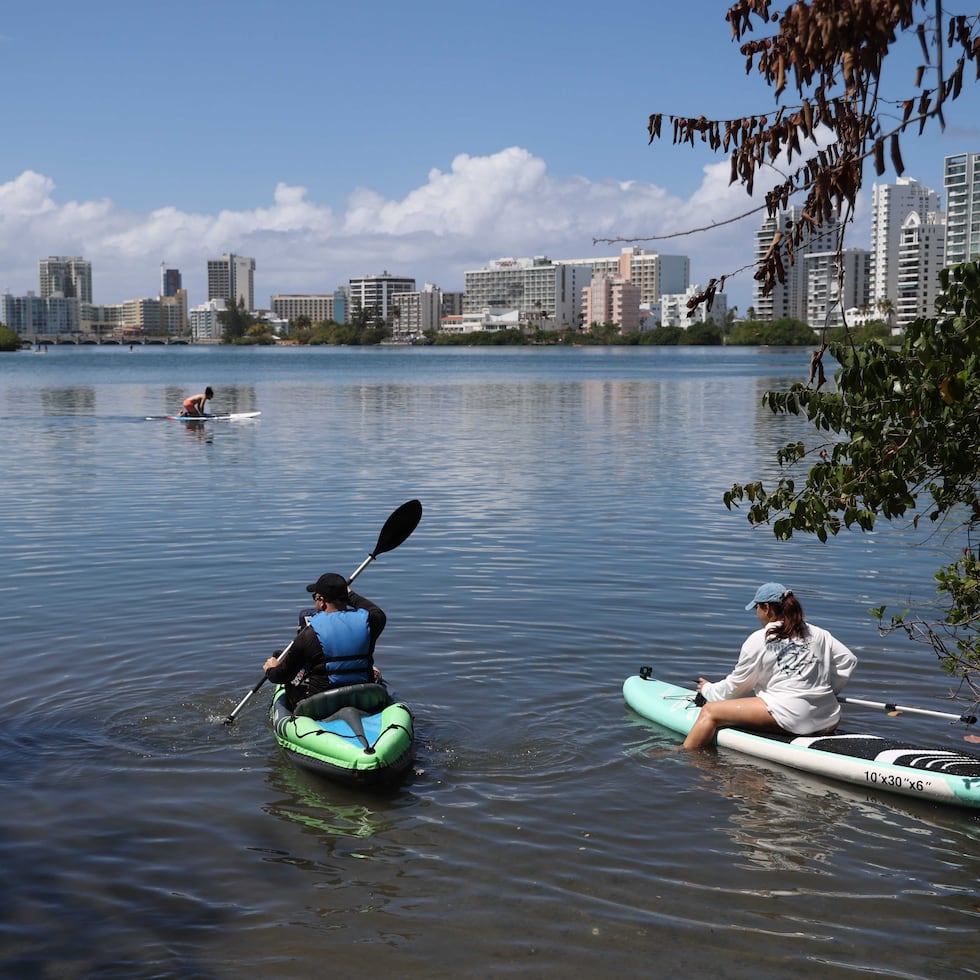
(506, 203)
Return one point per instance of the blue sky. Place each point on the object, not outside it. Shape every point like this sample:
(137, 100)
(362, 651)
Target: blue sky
(336, 139)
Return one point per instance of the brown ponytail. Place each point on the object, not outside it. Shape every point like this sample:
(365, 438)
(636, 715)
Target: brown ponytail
(789, 612)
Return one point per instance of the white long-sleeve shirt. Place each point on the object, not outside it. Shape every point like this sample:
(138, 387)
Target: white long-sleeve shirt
(799, 680)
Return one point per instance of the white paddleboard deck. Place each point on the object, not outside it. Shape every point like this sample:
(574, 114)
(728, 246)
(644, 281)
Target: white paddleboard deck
(227, 417)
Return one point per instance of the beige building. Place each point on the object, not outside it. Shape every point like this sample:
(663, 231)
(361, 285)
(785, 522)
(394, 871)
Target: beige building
(316, 307)
(611, 299)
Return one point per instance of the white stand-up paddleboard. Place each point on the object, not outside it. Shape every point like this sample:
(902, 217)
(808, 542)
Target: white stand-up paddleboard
(227, 417)
(940, 775)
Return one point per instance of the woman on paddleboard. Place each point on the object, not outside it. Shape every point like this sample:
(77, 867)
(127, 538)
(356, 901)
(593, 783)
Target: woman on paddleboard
(787, 678)
(195, 404)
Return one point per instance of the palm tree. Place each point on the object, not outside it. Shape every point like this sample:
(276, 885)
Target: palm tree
(886, 308)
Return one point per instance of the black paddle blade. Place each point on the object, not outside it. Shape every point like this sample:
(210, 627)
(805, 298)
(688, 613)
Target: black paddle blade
(398, 527)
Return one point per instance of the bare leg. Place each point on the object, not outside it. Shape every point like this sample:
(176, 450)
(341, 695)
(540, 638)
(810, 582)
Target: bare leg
(738, 713)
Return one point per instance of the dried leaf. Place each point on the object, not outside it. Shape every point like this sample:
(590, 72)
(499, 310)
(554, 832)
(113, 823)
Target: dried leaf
(920, 33)
(896, 155)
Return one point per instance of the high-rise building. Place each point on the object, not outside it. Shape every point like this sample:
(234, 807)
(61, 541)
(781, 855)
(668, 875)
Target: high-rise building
(169, 280)
(921, 256)
(961, 178)
(232, 277)
(377, 294)
(827, 298)
(788, 298)
(891, 204)
(68, 276)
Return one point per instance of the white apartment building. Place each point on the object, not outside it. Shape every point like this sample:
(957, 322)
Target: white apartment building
(653, 273)
(550, 292)
(34, 316)
(63, 275)
(316, 307)
(921, 256)
(674, 310)
(826, 300)
(961, 179)
(232, 277)
(789, 298)
(609, 299)
(204, 321)
(376, 293)
(891, 204)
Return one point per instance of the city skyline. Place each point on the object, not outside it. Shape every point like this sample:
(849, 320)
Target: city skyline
(520, 133)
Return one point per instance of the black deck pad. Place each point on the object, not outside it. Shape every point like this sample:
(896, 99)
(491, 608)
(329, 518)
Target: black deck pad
(872, 747)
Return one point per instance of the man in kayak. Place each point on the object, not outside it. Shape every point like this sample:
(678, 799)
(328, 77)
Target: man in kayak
(195, 404)
(335, 648)
(787, 678)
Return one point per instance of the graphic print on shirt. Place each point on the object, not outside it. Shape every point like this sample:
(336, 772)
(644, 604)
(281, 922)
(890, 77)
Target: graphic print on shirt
(794, 657)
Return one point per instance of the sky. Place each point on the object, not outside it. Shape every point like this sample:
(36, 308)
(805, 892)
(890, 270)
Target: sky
(330, 139)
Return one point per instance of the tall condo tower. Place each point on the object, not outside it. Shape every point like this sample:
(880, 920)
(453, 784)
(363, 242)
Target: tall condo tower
(169, 280)
(891, 204)
(232, 278)
(68, 276)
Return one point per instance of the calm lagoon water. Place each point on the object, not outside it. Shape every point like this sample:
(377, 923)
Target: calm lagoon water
(573, 530)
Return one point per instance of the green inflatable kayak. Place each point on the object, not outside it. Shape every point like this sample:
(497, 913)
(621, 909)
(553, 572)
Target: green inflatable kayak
(356, 734)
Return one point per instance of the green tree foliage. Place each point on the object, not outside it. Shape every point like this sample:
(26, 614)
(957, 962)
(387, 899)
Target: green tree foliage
(875, 330)
(235, 321)
(899, 438)
(481, 338)
(784, 332)
(365, 331)
(661, 336)
(702, 335)
(8, 339)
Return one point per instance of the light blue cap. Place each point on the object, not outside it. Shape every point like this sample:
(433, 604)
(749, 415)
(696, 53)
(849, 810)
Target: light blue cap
(770, 592)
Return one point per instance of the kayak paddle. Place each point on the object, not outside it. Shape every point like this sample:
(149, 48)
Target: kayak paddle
(898, 709)
(400, 524)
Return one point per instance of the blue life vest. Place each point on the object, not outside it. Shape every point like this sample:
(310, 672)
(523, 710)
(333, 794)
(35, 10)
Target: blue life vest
(346, 642)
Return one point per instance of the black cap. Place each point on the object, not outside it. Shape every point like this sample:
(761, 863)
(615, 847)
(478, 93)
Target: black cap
(331, 586)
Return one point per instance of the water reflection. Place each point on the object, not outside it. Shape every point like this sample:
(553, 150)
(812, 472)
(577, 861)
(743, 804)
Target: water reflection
(330, 812)
(68, 401)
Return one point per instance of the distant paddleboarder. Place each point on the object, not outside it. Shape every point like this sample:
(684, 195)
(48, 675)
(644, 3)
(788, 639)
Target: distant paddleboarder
(195, 404)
